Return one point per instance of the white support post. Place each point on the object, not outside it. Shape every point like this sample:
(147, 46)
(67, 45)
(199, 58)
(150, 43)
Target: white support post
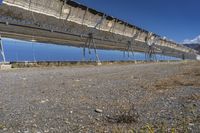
(2, 50)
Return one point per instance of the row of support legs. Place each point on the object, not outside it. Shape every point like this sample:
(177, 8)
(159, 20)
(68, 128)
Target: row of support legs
(150, 54)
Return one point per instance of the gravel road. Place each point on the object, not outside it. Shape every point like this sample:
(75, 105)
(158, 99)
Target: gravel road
(151, 97)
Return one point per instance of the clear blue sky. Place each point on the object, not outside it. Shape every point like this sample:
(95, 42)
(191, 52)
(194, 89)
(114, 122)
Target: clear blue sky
(175, 19)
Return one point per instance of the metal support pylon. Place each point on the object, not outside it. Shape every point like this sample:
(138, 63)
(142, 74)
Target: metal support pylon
(90, 44)
(129, 49)
(2, 49)
(150, 55)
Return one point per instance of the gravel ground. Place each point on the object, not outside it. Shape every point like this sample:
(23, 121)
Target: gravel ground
(160, 97)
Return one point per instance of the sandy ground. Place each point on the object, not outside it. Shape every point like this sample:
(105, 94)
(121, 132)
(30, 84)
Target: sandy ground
(162, 97)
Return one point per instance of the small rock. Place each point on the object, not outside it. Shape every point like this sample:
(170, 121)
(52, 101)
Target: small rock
(27, 131)
(173, 98)
(191, 124)
(89, 86)
(67, 122)
(97, 119)
(44, 101)
(5, 129)
(34, 125)
(98, 110)
(46, 130)
(24, 78)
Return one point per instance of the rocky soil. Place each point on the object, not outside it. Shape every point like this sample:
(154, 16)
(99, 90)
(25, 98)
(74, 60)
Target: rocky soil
(160, 97)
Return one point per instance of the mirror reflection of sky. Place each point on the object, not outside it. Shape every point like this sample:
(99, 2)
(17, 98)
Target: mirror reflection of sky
(20, 51)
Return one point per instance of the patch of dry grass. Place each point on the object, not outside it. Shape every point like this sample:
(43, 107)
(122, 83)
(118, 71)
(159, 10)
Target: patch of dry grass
(124, 115)
(190, 77)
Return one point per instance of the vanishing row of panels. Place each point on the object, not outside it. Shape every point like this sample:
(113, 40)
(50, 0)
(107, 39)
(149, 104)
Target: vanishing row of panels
(55, 16)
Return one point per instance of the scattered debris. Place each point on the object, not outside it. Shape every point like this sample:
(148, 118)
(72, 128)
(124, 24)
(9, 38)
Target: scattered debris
(44, 101)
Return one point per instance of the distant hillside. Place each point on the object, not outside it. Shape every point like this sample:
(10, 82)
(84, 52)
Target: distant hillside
(193, 43)
(194, 46)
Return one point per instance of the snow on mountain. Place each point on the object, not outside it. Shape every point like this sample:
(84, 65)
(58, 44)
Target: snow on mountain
(192, 41)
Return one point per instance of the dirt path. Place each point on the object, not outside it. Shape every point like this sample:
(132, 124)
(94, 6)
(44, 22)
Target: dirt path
(145, 97)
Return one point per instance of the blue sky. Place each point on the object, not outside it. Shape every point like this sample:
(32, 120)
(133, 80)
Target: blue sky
(176, 19)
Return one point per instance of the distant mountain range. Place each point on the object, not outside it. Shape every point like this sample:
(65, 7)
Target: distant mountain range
(195, 46)
(193, 43)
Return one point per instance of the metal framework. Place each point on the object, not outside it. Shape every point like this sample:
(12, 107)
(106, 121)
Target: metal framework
(129, 49)
(130, 44)
(90, 44)
(150, 53)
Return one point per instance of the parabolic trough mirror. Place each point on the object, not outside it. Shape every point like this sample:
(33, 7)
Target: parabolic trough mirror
(20, 51)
